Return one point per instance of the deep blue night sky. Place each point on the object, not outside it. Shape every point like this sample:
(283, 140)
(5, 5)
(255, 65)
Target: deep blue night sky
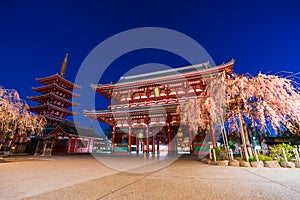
(35, 35)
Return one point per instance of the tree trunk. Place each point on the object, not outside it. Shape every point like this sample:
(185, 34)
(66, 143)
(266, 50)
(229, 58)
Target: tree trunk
(243, 135)
(248, 143)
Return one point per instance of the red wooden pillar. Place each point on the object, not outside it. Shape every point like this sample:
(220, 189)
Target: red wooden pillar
(158, 143)
(91, 145)
(147, 139)
(169, 138)
(190, 140)
(113, 138)
(137, 140)
(153, 142)
(129, 138)
(70, 145)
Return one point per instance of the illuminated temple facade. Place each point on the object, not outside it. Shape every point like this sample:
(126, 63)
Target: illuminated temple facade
(144, 112)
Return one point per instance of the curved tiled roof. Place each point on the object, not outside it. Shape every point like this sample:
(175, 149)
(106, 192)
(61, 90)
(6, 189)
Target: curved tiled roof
(47, 105)
(48, 95)
(41, 89)
(164, 76)
(164, 73)
(52, 79)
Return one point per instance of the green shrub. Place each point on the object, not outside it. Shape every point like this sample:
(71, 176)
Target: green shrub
(239, 158)
(264, 158)
(280, 160)
(277, 153)
(217, 153)
(251, 159)
(220, 153)
(17, 151)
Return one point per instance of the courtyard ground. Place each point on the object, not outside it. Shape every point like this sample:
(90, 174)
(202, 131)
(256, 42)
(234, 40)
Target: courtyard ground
(84, 177)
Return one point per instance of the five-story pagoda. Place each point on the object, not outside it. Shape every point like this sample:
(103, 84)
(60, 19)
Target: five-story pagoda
(56, 97)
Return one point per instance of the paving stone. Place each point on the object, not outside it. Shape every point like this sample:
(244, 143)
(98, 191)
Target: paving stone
(287, 164)
(234, 163)
(213, 162)
(244, 164)
(205, 160)
(222, 162)
(259, 164)
(271, 164)
(297, 164)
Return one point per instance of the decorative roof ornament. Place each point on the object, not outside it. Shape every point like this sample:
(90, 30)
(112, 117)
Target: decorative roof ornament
(64, 66)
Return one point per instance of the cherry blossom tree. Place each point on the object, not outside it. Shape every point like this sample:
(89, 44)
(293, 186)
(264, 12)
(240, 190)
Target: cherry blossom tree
(208, 110)
(15, 118)
(264, 100)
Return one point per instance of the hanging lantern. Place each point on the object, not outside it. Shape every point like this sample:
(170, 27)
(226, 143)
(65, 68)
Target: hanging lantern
(157, 92)
(179, 132)
(141, 135)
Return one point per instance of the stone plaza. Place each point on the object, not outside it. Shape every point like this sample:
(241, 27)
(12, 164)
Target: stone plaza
(85, 177)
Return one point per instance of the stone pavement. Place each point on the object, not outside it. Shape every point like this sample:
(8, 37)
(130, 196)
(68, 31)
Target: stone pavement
(83, 177)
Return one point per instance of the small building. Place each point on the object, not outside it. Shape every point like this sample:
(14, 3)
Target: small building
(292, 140)
(65, 139)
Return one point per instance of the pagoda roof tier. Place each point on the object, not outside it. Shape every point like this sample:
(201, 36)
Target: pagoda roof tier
(163, 77)
(53, 107)
(44, 98)
(61, 81)
(47, 89)
(110, 116)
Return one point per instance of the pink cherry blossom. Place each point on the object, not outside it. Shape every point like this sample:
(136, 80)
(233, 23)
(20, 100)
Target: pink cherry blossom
(15, 116)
